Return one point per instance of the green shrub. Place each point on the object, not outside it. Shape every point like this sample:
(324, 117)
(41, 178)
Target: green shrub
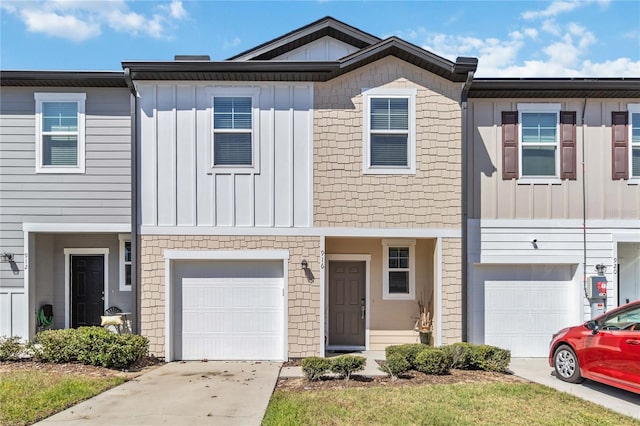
(490, 358)
(10, 348)
(314, 367)
(459, 355)
(90, 345)
(345, 365)
(55, 346)
(395, 365)
(100, 347)
(408, 351)
(432, 361)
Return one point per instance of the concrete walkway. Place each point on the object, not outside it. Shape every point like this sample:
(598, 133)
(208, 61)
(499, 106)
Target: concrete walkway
(537, 370)
(181, 393)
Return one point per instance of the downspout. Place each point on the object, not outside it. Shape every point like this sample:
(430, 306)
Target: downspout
(465, 214)
(134, 197)
(584, 205)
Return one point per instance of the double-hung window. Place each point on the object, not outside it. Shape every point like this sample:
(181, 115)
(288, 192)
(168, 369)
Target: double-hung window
(60, 134)
(125, 262)
(398, 269)
(234, 129)
(539, 140)
(389, 131)
(634, 138)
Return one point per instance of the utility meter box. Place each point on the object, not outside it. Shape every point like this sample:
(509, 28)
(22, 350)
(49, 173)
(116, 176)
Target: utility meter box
(597, 287)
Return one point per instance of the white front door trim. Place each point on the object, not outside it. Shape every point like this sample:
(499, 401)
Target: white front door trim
(68, 252)
(170, 256)
(366, 258)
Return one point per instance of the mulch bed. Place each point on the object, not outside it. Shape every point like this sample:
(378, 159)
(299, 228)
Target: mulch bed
(412, 378)
(141, 366)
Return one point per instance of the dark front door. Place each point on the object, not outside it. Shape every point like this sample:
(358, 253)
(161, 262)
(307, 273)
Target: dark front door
(87, 290)
(347, 294)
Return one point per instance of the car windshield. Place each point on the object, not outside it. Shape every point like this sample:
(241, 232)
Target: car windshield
(628, 319)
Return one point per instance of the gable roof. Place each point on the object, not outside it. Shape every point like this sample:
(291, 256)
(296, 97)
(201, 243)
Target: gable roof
(323, 27)
(258, 65)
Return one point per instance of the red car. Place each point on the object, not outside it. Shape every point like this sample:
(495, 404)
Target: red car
(605, 349)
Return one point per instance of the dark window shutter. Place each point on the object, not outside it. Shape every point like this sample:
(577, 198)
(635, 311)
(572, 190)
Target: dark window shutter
(619, 145)
(509, 144)
(568, 149)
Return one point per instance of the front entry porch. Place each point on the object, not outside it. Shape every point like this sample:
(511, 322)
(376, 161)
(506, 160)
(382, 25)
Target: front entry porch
(372, 290)
(80, 275)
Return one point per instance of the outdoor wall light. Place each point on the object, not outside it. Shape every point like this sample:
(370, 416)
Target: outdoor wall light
(7, 257)
(305, 265)
(601, 269)
(534, 243)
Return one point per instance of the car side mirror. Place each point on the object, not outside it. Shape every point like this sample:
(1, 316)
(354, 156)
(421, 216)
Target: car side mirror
(593, 326)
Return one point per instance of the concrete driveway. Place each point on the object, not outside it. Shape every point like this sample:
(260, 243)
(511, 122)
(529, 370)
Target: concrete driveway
(180, 393)
(537, 370)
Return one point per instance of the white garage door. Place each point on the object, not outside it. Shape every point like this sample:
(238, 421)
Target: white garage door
(232, 319)
(522, 315)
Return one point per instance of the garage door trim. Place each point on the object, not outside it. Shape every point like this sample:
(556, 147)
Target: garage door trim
(172, 255)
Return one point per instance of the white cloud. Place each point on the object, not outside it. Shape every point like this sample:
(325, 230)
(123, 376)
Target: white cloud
(79, 20)
(554, 9)
(177, 10)
(562, 55)
(228, 44)
(65, 26)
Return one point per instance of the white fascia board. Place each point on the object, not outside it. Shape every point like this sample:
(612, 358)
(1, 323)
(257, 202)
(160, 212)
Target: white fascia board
(526, 259)
(561, 223)
(316, 232)
(77, 227)
(226, 254)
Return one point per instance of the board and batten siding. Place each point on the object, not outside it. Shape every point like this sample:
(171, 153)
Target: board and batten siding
(180, 186)
(491, 197)
(100, 195)
(323, 49)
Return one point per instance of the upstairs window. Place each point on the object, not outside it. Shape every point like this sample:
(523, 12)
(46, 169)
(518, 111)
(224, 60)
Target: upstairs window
(634, 130)
(60, 134)
(539, 140)
(389, 131)
(539, 144)
(232, 131)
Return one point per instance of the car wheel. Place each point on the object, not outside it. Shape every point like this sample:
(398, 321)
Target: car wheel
(566, 365)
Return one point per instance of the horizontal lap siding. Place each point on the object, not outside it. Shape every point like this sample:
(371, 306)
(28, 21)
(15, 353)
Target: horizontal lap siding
(101, 195)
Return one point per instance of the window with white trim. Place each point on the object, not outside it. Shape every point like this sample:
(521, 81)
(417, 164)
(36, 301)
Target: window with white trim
(125, 262)
(60, 132)
(539, 140)
(235, 129)
(389, 131)
(634, 140)
(398, 269)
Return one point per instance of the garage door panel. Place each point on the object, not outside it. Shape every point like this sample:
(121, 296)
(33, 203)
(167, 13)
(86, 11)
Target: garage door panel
(522, 315)
(232, 318)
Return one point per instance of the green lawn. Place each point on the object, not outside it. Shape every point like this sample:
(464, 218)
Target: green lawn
(29, 396)
(460, 404)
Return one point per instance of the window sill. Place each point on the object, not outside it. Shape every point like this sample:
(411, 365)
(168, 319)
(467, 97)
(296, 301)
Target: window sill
(236, 170)
(59, 170)
(388, 296)
(539, 181)
(384, 171)
(633, 181)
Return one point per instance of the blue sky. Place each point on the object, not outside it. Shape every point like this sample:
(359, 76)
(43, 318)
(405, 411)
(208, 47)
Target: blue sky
(596, 38)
